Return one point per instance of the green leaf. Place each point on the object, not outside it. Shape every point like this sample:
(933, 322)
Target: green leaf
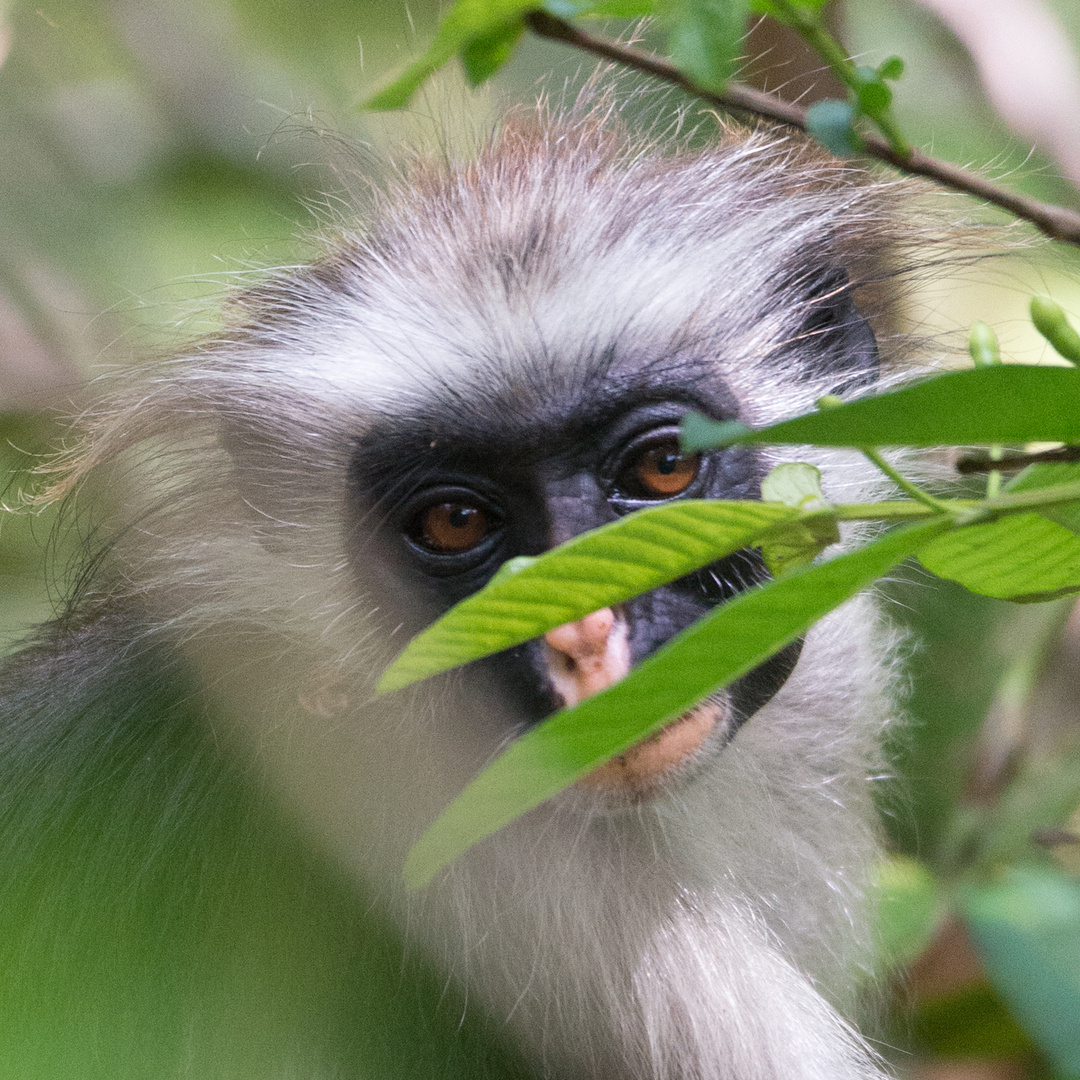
(1051, 321)
(698, 432)
(783, 14)
(1044, 474)
(566, 9)
(892, 68)
(1026, 929)
(605, 9)
(466, 22)
(798, 485)
(705, 39)
(1050, 474)
(798, 543)
(829, 122)
(909, 908)
(874, 96)
(484, 55)
(726, 644)
(1008, 403)
(595, 570)
(627, 9)
(1020, 557)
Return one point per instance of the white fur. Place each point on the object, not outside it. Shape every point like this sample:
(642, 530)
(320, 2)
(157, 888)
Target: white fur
(717, 932)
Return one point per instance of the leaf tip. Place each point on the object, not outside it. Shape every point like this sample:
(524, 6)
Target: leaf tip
(698, 432)
(393, 678)
(387, 99)
(420, 867)
(1051, 321)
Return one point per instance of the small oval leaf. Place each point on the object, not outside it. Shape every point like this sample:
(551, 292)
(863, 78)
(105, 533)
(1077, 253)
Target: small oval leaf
(796, 484)
(705, 38)
(909, 908)
(892, 68)
(799, 542)
(829, 122)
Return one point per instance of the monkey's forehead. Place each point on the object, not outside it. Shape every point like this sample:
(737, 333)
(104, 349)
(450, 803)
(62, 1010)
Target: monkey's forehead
(415, 346)
(530, 275)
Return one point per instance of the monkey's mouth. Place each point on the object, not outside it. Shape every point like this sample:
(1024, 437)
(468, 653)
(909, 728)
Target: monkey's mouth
(665, 756)
(586, 657)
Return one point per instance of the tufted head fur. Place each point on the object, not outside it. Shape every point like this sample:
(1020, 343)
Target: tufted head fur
(718, 930)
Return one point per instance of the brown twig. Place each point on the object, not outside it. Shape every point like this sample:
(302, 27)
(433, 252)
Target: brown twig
(1015, 462)
(1055, 221)
(1052, 838)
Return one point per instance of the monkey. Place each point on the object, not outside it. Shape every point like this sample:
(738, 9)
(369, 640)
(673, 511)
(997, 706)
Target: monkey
(206, 807)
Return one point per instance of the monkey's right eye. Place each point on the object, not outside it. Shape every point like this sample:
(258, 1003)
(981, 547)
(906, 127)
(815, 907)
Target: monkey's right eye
(450, 528)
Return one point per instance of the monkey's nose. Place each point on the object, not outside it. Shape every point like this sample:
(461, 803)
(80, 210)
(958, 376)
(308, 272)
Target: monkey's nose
(588, 655)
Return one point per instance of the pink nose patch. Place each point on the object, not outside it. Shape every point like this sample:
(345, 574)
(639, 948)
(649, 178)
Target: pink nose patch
(588, 655)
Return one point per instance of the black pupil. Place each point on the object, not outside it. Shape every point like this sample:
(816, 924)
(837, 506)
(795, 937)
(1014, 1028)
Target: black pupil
(668, 463)
(461, 516)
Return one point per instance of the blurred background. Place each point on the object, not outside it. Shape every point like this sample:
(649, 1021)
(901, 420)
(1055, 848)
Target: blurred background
(155, 154)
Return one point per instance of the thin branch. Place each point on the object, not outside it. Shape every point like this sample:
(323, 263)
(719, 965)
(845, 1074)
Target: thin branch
(1056, 222)
(1052, 838)
(1015, 462)
(902, 482)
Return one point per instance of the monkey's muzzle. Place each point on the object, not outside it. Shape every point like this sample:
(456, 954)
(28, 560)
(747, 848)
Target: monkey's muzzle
(586, 657)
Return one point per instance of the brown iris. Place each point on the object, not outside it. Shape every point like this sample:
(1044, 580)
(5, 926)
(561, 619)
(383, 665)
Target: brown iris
(451, 527)
(661, 471)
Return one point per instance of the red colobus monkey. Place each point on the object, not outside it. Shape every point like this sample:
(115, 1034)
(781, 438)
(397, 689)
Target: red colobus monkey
(205, 810)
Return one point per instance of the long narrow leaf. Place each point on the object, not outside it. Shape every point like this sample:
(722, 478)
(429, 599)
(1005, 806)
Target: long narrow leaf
(592, 571)
(728, 643)
(1009, 403)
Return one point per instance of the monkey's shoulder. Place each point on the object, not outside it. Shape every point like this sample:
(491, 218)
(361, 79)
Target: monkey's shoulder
(98, 707)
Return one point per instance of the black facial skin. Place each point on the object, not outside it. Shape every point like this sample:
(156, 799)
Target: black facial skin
(542, 458)
(538, 480)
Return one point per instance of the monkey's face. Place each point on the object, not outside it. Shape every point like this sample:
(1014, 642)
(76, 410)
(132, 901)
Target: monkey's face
(501, 364)
(456, 498)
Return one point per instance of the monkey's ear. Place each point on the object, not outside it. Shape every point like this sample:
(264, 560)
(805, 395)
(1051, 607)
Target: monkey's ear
(838, 339)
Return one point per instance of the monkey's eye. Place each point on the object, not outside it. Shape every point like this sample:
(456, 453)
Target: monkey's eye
(450, 528)
(658, 469)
